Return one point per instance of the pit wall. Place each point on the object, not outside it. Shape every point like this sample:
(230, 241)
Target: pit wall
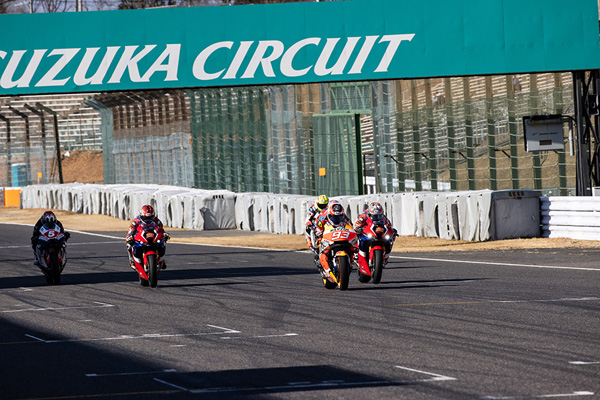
(473, 216)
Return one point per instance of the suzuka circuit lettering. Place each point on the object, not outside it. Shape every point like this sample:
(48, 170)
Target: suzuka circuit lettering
(110, 65)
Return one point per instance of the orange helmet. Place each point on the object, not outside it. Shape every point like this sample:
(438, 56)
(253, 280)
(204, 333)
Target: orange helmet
(335, 213)
(147, 213)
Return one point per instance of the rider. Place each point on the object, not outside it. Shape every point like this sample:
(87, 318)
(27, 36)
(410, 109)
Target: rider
(373, 214)
(47, 216)
(146, 214)
(315, 211)
(335, 217)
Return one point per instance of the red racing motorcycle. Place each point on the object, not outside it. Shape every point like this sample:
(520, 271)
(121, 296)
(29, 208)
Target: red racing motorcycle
(378, 238)
(147, 241)
(51, 249)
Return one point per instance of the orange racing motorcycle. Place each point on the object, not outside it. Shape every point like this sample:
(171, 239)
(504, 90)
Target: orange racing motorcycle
(339, 244)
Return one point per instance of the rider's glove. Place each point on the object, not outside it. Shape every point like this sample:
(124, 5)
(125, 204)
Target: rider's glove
(359, 230)
(129, 240)
(395, 232)
(308, 228)
(67, 235)
(34, 240)
(166, 236)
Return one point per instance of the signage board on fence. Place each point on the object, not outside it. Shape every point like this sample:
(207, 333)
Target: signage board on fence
(293, 43)
(543, 133)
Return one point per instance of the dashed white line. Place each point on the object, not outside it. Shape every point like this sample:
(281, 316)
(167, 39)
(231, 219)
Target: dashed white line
(584, 362)
(259, 336)
(170, 384)
(436, 377)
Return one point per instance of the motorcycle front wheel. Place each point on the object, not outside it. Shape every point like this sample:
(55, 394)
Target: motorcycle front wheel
(54, 268)
(344, 265)
(152, 270)
(377, 265)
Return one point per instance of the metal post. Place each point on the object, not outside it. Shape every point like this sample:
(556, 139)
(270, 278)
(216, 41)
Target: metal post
(359, 164)
(8, 150)
(56, 138)
(40, 114)
(27, 143)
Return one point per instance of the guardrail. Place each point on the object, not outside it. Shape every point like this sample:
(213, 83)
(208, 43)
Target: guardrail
(570, 217)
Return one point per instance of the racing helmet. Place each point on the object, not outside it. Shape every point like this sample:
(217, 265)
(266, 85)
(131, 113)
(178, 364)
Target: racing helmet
(147, 213)
(375, 212)
(322, 202)
(335, 213)
(48, 216)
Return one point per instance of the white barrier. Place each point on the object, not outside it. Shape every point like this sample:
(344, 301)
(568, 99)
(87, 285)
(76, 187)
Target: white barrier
(473, 216)
(571, 217)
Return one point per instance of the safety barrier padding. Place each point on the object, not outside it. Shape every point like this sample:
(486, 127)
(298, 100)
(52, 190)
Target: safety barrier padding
(472, 215)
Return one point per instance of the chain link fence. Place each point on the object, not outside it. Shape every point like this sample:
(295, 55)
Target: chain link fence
(339, 138)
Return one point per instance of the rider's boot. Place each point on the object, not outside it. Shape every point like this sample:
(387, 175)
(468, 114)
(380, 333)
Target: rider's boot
(163, 264)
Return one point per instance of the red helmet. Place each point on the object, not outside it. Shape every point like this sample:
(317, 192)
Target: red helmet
(335, 212)
(48, 216)
(147, 213)
(375, 211)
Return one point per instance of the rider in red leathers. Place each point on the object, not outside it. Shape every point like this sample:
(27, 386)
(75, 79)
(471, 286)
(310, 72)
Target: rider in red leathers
(374, 213)
(146, 214)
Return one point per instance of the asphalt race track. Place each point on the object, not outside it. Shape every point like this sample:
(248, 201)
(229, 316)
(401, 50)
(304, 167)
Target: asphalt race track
(228, 323)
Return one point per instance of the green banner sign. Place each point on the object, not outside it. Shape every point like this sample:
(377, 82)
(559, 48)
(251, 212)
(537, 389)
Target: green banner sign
(293, 43)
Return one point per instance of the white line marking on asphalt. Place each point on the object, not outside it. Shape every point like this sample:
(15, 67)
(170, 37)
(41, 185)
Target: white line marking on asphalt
(541, 396)
(36, 338)
(496, 263)
(259, 336)
(436, 377)
(227, 330)
(170, 384)
(136, 337)
(131, 373)
(496, 301)
(584, 362)
(101, 305)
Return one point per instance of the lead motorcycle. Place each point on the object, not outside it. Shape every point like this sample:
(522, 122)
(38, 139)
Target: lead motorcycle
(148, 238)
(379, 237)
(51, 251)
(340, 244)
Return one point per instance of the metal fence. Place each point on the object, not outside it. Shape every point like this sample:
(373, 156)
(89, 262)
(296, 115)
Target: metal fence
(338, 138)
(32, 128)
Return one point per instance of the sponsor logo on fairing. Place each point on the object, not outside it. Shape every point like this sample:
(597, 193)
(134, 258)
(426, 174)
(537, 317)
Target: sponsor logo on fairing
(223, 61)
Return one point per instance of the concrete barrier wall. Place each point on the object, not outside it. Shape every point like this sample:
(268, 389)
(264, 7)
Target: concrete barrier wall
(473, 216)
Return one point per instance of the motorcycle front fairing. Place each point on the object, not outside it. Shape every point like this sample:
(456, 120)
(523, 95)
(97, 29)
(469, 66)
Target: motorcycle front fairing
(51, 239)
(147, 240)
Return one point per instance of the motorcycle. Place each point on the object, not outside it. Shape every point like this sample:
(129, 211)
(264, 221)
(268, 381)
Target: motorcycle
(379, 237)
(341, 243)
(148, 238)
(51, 251)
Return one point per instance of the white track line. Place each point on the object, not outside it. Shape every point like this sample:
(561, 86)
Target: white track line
(495, 263)
(436, 377)
(541, 396)
(101, 305)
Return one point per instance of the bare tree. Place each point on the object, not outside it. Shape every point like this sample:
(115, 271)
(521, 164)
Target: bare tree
(52, 6)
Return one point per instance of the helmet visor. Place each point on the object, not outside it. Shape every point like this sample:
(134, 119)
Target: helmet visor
(336, 219)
